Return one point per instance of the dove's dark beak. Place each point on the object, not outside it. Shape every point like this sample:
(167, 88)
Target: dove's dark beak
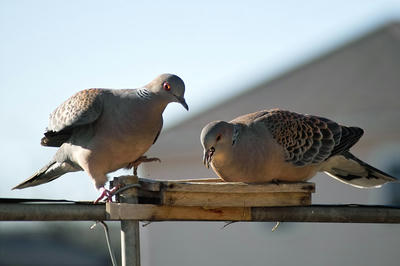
(182, 101)
(207, 157)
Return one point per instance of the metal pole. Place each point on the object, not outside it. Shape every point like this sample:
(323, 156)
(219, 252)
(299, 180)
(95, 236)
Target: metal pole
(98, 212)
(328, 214)
(130, 239)
(52, 212)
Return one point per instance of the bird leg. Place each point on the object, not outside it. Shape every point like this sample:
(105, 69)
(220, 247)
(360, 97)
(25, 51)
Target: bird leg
(141, 159)
(107, 194)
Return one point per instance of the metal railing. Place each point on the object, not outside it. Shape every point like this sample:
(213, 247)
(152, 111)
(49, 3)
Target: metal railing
(130, 212)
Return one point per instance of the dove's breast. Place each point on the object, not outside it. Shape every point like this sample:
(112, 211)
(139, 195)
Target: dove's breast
(123, 134)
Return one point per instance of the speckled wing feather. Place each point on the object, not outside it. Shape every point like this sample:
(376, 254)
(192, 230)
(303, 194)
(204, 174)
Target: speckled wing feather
(80, 109)
(305, 139)
(349, 137)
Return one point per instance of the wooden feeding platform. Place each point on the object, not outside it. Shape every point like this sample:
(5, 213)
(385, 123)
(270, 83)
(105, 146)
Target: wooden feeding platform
(205, 199)
(223, 194)
(215, 193)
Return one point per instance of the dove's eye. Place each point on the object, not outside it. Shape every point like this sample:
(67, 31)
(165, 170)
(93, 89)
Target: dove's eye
(167, 86)
(218, 137)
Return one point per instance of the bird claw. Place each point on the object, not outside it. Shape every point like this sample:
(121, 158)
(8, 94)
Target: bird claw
(137, 162)
(107, 194)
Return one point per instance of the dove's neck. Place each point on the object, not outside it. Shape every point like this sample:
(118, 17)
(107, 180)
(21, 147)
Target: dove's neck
(144, 94)
(157, 102)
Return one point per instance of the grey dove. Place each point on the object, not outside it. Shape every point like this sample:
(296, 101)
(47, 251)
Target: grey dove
(278, 145)
(102, 130)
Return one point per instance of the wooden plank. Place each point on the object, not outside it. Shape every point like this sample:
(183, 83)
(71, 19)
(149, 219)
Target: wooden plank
(199, 180)
(215, 185)
(149, 184)
(224, 194)
(155, 185)
(238, 187)
(149, 194)
(149, 212)
(235, 199)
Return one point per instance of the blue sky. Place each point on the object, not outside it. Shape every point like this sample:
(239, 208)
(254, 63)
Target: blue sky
(52, 49)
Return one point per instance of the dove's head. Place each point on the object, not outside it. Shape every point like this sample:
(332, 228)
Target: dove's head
(216, 138)
(170, 87)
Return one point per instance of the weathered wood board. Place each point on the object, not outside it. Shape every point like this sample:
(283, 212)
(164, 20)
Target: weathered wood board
(214, 193)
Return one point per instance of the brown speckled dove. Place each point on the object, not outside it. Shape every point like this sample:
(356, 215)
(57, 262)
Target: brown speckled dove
(102, 130)
(278, 145)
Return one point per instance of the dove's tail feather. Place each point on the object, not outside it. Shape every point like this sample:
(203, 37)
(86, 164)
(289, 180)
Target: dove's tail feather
(46, 174)
(350, 170)
(56, 139)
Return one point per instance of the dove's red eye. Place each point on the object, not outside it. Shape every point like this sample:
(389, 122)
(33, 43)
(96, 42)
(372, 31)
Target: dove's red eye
(167, 86)
(218, 137)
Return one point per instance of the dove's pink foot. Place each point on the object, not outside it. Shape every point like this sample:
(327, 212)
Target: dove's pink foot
(107, 194)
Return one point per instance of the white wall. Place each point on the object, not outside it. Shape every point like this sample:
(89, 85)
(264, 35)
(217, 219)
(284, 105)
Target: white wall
(357, 85)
